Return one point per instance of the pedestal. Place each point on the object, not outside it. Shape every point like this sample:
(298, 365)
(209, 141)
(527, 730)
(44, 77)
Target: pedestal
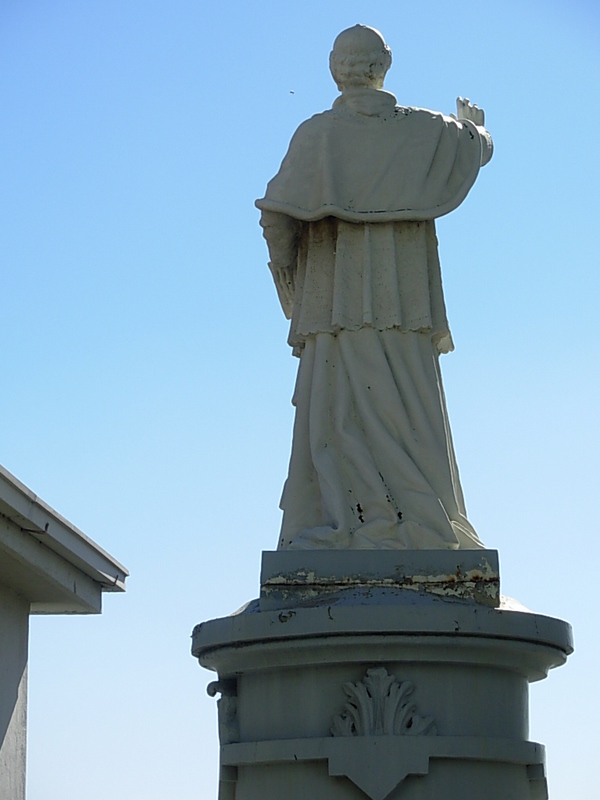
(405, 678)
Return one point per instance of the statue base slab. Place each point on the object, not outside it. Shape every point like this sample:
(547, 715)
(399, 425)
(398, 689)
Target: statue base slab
(291, 578)
(368, 688)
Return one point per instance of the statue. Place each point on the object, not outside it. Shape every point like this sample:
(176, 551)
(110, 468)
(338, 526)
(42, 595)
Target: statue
(349, 224)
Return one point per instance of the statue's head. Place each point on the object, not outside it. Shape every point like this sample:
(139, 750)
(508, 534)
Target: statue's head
(360, 59)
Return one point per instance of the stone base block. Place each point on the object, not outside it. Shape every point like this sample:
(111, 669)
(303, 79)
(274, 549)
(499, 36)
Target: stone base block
(291, 578)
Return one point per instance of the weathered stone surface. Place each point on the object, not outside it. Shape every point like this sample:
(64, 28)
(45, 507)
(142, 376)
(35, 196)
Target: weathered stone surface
(292, 578)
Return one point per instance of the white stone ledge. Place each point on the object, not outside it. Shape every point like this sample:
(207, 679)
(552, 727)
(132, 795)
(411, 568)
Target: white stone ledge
(513, 751)
(377, 764)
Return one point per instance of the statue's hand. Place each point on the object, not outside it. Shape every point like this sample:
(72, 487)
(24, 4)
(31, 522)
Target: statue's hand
(466, 110)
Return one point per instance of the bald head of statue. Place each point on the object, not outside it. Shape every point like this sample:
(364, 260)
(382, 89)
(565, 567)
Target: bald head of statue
(360, 59)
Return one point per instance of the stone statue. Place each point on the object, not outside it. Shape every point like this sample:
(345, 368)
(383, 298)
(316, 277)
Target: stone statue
(349, 223)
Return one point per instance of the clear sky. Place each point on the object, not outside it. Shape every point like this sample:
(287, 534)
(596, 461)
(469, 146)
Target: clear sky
(146, 378)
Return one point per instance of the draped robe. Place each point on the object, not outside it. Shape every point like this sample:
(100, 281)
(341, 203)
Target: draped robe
(351, 214)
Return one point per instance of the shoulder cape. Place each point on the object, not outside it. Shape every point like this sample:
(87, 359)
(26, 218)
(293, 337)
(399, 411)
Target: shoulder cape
(409, 164)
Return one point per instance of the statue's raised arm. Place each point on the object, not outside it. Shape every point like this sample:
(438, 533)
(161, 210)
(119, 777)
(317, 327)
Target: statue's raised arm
(349, 222)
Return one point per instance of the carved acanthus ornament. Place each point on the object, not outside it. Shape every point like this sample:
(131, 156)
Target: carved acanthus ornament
(379, 706)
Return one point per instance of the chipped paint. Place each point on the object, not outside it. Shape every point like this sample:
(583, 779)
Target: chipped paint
(481, 584)
(310, 578)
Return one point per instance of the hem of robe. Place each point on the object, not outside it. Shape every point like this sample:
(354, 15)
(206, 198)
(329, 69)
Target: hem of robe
(347, 215)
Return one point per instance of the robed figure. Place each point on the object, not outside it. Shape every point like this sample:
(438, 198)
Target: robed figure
(349, 222)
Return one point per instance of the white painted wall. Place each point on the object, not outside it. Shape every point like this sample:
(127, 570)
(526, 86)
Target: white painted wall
(14, 634)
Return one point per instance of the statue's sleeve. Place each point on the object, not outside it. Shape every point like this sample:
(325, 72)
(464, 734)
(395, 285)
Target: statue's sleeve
(487, 145)
(282, 234)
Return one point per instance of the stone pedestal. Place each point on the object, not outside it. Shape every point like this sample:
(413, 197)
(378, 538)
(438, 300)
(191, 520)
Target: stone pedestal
(379, 674)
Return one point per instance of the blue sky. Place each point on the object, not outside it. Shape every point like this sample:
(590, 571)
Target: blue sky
(147, 381)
